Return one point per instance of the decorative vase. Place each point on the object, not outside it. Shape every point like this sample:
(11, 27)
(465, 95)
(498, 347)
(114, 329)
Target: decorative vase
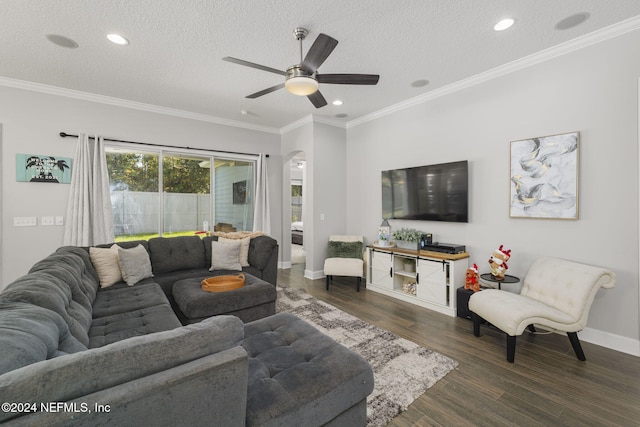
(409, 268)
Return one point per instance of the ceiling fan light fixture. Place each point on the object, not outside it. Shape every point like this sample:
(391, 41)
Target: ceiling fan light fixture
(301, 86)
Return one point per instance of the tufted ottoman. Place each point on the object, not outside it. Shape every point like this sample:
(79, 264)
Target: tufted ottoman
(300, 376)
(255, 300)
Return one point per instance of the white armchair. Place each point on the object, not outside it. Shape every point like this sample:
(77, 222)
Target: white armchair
(344, 258)
(557, 294)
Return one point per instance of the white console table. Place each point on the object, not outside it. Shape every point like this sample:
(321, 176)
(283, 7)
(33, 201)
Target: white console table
(434, 281)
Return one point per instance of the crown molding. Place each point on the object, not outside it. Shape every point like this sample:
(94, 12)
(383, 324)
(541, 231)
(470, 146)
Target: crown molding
(124, 103)
(631, 24)
(298, 123)
(311, 119)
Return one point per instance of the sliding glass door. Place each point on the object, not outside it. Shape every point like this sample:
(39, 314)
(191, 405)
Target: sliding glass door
(186, 184)
(168, 193)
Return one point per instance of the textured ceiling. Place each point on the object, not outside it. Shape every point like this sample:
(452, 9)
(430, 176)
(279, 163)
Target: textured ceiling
(174, 59)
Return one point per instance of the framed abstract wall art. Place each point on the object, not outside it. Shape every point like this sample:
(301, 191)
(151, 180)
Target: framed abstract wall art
(38, 168)
(544, 177)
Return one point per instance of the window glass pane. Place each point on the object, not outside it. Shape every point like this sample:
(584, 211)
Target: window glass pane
(186, 183)
(133, 179)
(234, 195)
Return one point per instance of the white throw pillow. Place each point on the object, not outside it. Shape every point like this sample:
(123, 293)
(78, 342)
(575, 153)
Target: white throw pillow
(135, 264)
(244, 248)
(225, 255)
(105, 261)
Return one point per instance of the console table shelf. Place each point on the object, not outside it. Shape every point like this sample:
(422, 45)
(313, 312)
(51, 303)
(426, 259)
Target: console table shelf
(433, 284)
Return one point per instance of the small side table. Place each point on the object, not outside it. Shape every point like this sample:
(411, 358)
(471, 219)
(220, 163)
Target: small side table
(507, 279)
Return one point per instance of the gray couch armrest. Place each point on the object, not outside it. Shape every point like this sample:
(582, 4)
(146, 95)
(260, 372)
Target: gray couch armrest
(76, 375)
(210, 391)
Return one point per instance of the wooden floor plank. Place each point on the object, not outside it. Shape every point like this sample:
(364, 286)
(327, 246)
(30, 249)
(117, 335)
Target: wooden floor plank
(547, 384)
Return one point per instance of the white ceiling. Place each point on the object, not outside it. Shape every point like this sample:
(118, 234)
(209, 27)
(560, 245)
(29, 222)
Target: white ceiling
(174, 59)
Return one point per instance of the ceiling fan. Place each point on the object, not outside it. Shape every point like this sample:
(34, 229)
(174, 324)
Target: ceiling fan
(302, 79)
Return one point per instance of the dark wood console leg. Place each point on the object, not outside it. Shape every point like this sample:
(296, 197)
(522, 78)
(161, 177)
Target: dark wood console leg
(577, 348)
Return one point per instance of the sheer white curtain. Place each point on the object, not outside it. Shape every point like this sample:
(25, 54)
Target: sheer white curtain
(89, 212)
(262, 213)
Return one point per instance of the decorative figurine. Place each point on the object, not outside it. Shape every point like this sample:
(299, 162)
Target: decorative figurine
(498, 262)
(471, 281)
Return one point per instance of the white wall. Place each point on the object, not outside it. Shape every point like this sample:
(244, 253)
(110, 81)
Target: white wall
(324, 184)
(31, 122)
(593, 91)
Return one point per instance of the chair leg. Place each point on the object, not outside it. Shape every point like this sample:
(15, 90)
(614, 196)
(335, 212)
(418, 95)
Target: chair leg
(358, 285)
(328, 280)
(577, 348)
(532, 328)
(511, 348)
(476, 324)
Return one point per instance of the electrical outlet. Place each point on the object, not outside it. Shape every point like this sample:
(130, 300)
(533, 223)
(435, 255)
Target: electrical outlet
(59, 220)
(25, 221)
(46, 220)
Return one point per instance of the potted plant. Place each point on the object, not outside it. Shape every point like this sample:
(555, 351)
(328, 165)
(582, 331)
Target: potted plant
(407, 238)
(409, 265)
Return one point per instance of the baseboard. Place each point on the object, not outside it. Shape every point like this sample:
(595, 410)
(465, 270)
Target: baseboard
(612, 341)
(284, 265)
(313, 275)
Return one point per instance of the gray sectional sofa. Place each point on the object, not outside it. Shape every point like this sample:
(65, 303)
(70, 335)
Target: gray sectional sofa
(74, 353)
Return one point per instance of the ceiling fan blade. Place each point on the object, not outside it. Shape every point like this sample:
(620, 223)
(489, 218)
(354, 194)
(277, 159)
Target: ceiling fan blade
(348, 79)
(265, 91)
(254, 65)
(317, 99)
(319, 52)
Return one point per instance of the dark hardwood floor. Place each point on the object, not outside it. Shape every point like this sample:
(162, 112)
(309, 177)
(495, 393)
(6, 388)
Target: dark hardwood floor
(546, 386)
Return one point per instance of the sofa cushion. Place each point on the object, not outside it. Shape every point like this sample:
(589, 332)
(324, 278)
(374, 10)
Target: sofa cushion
(109, 329)
(176, 253)
(225, 255)
(81, 374)
(135, 264)
(298, 375)
(30, 334)
(125, 299)
(49, 290)
(260, 250)
(105, 261)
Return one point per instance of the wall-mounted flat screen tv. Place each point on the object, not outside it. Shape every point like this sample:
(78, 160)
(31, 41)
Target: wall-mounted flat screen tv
(428, 193)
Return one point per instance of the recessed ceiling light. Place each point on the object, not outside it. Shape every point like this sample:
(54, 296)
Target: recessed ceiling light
(572, 21)
(117, 39)
(420, 83)
(337, 102)
(504, 24)
(62, 41)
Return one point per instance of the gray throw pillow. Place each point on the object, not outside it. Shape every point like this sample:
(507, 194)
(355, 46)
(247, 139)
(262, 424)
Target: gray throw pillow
(225, 255)
(135, 264)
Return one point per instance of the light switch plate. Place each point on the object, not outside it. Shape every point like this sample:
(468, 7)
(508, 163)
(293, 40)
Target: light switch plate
(25, 221)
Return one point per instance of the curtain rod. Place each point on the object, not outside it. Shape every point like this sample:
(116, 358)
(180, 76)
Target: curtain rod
(64, 135)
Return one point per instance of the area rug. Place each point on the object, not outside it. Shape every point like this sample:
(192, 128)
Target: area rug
(402, 370)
